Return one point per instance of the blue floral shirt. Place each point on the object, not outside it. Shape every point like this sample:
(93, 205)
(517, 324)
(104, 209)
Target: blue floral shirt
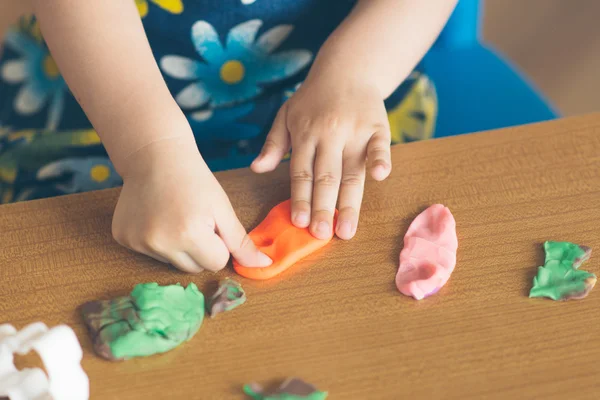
(230, 65)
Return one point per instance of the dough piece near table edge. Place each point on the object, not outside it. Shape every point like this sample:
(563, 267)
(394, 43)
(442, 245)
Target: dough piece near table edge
(228, 296)
(560, 278)
(152, 319)
(429, 254)
(283, 242)
(61, 354)
(291, 389)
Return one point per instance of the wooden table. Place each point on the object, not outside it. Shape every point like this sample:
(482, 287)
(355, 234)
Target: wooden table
(336, 318)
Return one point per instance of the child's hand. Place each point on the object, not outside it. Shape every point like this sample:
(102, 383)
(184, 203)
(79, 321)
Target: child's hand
(173, 209)
(335, 127)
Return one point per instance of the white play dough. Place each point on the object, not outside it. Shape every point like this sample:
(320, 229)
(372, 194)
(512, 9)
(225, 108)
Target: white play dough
(61, 354)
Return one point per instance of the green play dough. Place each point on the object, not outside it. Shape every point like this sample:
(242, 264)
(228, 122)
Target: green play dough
(169, 316)
(291, 389)
(152, 319)
(228, 296)
(285, 396)
(560, 278)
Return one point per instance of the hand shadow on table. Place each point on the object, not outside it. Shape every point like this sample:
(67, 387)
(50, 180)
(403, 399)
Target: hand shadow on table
(209, 287)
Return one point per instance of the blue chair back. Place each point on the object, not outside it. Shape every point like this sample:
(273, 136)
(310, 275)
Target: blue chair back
(463, 27)
(477, 88)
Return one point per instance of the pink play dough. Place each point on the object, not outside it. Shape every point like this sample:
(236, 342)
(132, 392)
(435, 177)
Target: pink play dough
(429, 254)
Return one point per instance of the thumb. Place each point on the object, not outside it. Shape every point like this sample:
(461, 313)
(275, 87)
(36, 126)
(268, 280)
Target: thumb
(237, 241)
(276, 145)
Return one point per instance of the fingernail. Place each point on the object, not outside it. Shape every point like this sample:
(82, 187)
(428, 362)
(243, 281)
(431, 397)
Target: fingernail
(323, 229)
(379, 171)
(264, 260)
(345, 229)
(302, 219)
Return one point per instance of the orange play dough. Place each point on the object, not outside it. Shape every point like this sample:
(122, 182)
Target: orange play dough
(283, 242)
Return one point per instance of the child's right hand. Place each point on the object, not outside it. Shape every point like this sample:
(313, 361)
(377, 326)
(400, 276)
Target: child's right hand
(173, 209)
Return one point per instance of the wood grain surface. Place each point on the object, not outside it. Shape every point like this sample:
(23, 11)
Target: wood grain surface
(336, 319)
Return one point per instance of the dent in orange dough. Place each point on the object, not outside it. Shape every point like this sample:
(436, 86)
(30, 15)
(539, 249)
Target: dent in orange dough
(283, 242)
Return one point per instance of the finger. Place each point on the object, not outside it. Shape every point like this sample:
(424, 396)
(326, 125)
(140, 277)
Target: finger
(153, 246)
(153, 254)
(351, 193)
(124, 239)
(208, 251)
(196, 248)
(328, 171)
(144, 250)
(378, 154)
(238, 242)
(301, 179)
(184, 262)
(276, 145)
(178, 259)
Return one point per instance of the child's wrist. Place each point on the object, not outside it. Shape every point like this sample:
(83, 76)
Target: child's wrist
(332, 68)
(161, 155)
(137, 122)
(146, 131)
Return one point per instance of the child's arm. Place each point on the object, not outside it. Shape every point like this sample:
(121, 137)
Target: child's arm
(171, 206)
(337, 121)
(103, 54)
(383, 40)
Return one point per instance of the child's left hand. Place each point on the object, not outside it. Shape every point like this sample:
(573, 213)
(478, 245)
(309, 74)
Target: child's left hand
(335, 127)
